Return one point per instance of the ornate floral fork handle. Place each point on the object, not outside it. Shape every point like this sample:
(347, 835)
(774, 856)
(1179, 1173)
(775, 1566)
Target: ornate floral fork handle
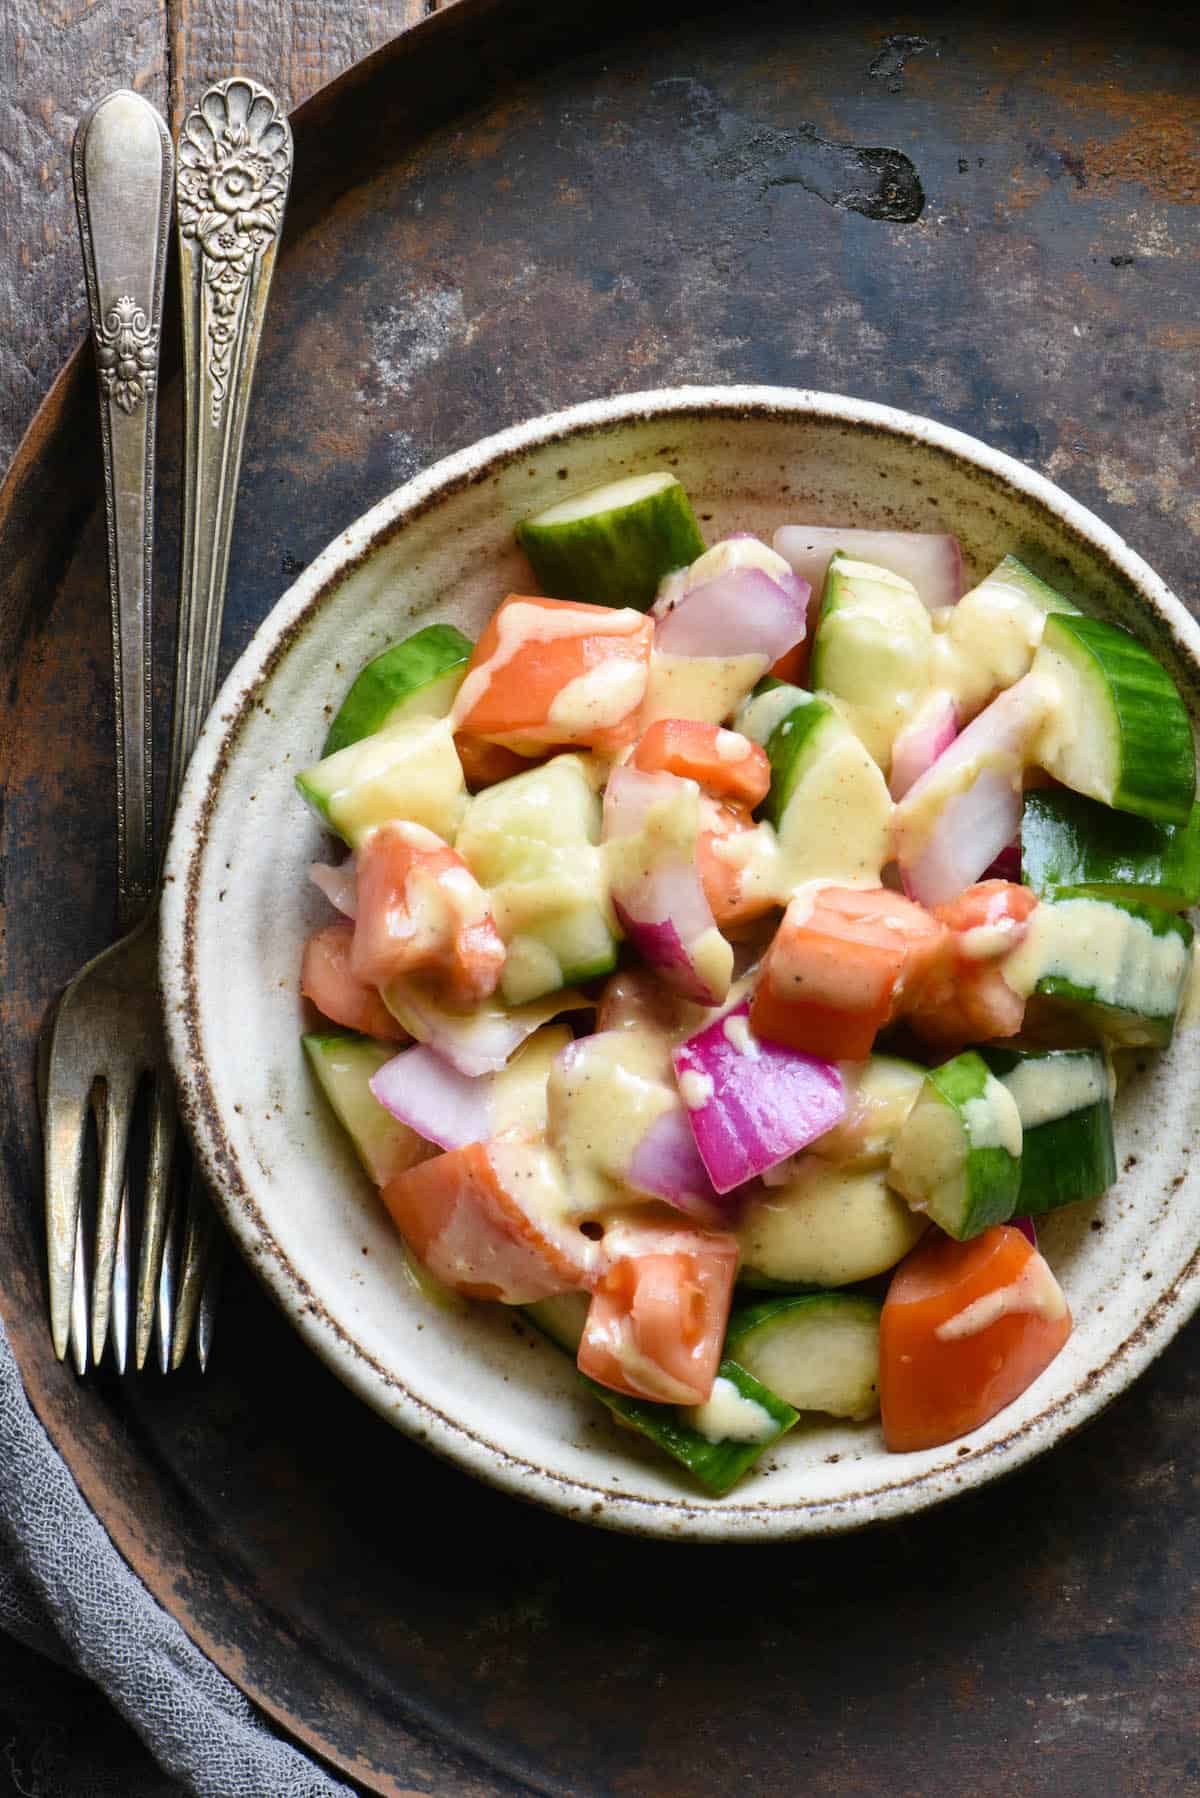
(234, 167)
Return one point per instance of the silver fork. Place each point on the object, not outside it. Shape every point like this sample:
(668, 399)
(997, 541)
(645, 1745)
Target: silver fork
(106, 1036)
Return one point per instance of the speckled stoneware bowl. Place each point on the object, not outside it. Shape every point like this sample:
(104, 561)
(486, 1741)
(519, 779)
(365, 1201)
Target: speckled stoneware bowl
(238, 907)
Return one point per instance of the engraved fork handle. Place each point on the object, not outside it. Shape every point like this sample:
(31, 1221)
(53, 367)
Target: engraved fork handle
(122, 166)
(235, 167)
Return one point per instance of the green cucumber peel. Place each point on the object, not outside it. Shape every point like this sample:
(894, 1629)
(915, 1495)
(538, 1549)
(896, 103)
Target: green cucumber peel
(425, 670)
(612, 545)
(1121, 733)
(818, 1351)
(717, 1466)
(343, 1063)
(1069, 842)
(1124, 1025)
(1068, 1157)
(947, 1162)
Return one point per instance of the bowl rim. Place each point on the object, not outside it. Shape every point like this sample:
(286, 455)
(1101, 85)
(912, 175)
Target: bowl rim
(728, 1519)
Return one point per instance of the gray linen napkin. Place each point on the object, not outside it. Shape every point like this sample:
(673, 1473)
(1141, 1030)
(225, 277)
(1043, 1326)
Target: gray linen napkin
(66, 1591)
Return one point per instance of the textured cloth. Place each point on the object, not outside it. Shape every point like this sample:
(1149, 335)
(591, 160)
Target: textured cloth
(65, 1591)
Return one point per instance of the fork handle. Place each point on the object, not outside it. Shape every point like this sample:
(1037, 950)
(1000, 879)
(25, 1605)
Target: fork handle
(122, 166)
(235, 166)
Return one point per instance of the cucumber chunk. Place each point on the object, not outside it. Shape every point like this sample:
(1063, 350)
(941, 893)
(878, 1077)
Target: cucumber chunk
(880, 1093)
(532, 840)
(958, 1155)
(690, 1434)
(828, 1226)
(409, 772)
(1067, 1149)
(1070, 841)
(612, 545)
(343, 1064)
(872, 650)
(414, 679)
(988, 640)
(819, 1351)
(1120, 967)
(1120, 732)
(828, 800)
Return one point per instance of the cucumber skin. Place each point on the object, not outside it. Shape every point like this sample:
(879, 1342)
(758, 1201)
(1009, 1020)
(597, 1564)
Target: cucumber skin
(437, 649)
(1127, 1029)
(1064, 1160)
(1037, 591)
(1157, 775)
(748, 1320)
(718, 1466)
(616, 558)
(993, 1176)
(1068, 840)
(1070, 1159)
(785, 748)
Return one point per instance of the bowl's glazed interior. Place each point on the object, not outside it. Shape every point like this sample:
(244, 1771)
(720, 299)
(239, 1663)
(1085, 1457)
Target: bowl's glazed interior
(477, 1384)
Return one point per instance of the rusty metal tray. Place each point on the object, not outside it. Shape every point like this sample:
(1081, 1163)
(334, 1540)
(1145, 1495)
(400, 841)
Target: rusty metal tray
(990, 217)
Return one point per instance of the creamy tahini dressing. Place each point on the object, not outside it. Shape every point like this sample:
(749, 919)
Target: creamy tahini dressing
(736, 552)
(992, 1119)
(738, 1034)
(707, 688)
(729, 1416)
(1055, 1086)
(602, 1098)
(1103, 949)
(1035, 1291)
(601, 697)
(985, 643)
(695, 1089)
(524, 623)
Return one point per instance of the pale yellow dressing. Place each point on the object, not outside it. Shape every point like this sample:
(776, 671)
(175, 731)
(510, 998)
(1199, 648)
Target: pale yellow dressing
(1035, 1291)
(1110, 952)
(601, 697)
(729, 1416)
(706, 688)
(1054, 1086)
(523, 623)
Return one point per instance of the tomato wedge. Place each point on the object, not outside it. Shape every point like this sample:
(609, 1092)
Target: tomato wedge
(722, 762)
(721, 871)
(966, 999)
(327, 978)
(657, 1319)
(966, 1327)
(551, 672)
(421, 910)
(838, 969)
(476, 1217)
(483, 764)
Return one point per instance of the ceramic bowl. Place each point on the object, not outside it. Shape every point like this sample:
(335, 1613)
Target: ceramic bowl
(477, 1385)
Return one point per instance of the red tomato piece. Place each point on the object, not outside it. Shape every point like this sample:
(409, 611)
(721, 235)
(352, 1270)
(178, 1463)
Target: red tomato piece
(327, 978)
(656, 1323)
(966, 999)
(722, 762)
(471, 1216)
(838, 969)
(721, 874)
(556, 672)
(966, 1327)
(421, 910)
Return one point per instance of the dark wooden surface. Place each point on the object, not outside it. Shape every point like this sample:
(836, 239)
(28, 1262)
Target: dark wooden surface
(480, 228)
(56, 57)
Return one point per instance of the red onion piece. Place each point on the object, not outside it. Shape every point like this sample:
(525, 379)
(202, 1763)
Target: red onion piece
(931, 561)
(339, 885)
(475, 1042)
(981, 815)
(1025, 1226)
(666, 1165)
(742, 612)
(920, 743)
(1007, 865)
(661, 907)
(756, 1102)
(433, 1098)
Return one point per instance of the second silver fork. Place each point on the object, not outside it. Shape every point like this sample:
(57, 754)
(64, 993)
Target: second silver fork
(234, 168)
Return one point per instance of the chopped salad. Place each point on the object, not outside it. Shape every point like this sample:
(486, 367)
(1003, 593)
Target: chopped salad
(730, 952)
